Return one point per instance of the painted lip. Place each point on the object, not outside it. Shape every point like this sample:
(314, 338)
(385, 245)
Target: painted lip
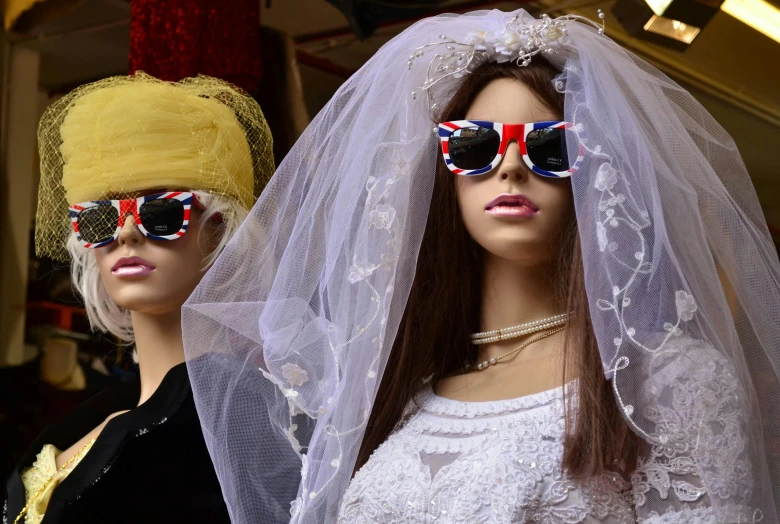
(507, 205)
(132, 267)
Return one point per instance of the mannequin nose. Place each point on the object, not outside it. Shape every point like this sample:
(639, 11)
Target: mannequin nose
(512, 166)
(130, 234)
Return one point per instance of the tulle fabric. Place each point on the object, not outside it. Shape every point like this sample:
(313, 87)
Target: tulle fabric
(124, 134)
(288, 334)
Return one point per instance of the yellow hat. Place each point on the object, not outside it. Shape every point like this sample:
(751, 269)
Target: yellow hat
(123, 135)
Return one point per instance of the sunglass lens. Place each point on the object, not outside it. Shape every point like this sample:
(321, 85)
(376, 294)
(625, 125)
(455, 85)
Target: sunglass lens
(547, 149)
(473, 147)
(98, 224)
(163, 216)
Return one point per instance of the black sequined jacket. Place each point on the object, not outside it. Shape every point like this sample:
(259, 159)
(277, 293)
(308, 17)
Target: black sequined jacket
(147, 465)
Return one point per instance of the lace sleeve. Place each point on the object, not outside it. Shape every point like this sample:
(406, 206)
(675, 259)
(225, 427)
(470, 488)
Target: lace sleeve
(699, 470)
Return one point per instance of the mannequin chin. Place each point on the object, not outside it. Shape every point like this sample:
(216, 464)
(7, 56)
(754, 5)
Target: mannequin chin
(154, 276)
(525, 238)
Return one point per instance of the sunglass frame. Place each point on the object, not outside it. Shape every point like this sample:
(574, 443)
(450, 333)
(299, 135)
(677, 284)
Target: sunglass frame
(132, 206)
(506, 133)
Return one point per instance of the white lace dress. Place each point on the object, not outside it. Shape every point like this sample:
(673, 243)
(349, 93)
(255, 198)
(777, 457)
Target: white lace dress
(480, 462)
(499, 462)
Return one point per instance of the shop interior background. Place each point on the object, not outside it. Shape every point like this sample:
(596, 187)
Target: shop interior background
(49, 360)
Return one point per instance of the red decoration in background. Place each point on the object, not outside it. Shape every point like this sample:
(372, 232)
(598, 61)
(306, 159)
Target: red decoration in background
(174, 39)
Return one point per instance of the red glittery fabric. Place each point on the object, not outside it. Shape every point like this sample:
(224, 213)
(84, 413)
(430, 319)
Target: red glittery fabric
(174, 39)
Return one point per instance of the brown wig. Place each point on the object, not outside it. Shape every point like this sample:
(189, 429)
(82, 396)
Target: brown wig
(445, 302)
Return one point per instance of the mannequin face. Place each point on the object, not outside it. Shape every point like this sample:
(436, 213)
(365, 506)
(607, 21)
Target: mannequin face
(525, 239)
(177, 266)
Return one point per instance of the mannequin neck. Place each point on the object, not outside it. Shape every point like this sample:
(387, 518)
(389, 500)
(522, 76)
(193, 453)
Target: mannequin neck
(514, 293)
(159, 347)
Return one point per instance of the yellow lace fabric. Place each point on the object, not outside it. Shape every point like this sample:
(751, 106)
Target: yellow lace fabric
(34, 477)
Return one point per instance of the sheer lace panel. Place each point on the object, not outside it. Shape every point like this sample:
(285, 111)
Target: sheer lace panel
(699, 416)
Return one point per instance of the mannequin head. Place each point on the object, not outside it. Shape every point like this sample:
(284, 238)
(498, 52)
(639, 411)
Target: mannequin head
(126, 137)
(174, 269)
(433, 341)
(178, 266)
(521, 239)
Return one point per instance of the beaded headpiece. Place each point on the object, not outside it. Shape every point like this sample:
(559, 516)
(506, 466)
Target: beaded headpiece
(518, 41)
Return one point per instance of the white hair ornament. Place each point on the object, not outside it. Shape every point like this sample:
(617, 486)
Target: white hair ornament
(518, 41)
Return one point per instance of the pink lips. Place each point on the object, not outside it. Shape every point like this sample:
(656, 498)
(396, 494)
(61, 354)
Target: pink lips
(131, 267)
(507, 205)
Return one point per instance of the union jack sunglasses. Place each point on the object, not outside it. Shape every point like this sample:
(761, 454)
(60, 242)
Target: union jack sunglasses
(162, 216)
(475, 147)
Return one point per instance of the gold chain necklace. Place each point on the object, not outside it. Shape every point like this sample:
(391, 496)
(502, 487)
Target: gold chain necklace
(493, 361)
(81, 453)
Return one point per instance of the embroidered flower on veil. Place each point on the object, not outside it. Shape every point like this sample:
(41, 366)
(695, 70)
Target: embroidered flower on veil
(606, 177)
(686, 305)
(294, 374)
(382, 216)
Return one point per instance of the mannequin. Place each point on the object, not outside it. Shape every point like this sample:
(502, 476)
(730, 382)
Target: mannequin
(157, 176)
(493, 288)
(524, 268)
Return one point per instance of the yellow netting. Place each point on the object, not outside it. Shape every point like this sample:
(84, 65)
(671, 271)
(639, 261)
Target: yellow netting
(127, 134)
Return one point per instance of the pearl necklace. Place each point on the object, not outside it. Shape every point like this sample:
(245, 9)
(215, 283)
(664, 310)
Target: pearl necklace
(493, 361)
(498, 335)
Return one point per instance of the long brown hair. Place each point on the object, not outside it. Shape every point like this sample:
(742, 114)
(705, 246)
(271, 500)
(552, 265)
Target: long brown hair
(445, 302)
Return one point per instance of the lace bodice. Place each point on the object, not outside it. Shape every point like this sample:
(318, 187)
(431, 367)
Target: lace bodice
(485, 462)
(500, 462)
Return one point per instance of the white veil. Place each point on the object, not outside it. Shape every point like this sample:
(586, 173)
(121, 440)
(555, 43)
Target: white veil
(288, 334)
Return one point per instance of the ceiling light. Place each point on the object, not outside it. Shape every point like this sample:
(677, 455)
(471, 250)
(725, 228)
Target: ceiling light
(670, 23)
(758, 14)
(659, 6)
(672, 29)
